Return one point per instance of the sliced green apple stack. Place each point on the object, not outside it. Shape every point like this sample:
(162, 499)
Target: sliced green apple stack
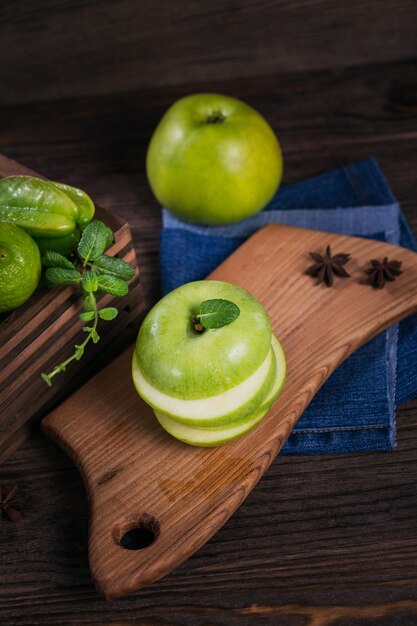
(208, 386)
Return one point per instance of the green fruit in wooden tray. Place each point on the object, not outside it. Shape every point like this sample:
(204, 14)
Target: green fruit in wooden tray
(20, 266)
(52, 213)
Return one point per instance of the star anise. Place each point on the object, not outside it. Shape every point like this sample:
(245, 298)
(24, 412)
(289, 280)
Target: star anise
(325, 266)
(6, 505)
(379, 273)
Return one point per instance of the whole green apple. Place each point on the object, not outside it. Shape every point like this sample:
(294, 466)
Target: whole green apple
(213, 160)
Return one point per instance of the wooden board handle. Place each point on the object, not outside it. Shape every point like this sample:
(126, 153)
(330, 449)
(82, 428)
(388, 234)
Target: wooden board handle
(136, 475)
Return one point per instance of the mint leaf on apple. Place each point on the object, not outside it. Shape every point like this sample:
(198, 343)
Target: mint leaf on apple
(217, 313)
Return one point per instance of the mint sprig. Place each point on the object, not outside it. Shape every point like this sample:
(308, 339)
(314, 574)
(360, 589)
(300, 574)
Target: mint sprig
(96, 273)
(215, 314)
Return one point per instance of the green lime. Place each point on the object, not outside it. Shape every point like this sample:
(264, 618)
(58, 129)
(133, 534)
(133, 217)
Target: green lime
(20, 266)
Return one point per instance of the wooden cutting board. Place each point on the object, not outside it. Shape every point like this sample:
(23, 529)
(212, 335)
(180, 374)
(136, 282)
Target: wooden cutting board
(138, 477)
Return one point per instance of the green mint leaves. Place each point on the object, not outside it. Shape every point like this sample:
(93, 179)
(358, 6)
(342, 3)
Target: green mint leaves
(109, 313)
(113, 267)
(93, 242)
(54, 259)
(216, 313)
(58, 276)
(112, 284)
(90, 282)
(96, 274)
(87, 316)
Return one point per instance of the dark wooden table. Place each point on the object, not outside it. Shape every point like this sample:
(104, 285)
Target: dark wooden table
(322, 540)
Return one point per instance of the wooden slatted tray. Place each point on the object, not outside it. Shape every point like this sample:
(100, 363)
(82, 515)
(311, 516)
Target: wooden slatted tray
(43, 332)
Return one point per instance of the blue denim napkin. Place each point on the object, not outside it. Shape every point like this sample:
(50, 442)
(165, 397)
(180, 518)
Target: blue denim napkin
(355, 410)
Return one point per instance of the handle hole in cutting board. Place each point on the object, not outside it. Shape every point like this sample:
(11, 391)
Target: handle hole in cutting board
(136, 532)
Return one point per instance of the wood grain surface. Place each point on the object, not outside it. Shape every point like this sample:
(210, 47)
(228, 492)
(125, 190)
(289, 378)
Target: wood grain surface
(138, 476)
(66, 48)
(321, 541)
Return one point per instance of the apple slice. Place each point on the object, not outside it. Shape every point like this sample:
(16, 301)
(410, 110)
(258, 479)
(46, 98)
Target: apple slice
(281, 372)
(275, 389)
(222, 434)
(206, 437)
(226, 407)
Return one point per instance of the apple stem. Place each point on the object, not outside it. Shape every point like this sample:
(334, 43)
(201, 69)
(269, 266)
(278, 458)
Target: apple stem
(197, 325)
(215, 118)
